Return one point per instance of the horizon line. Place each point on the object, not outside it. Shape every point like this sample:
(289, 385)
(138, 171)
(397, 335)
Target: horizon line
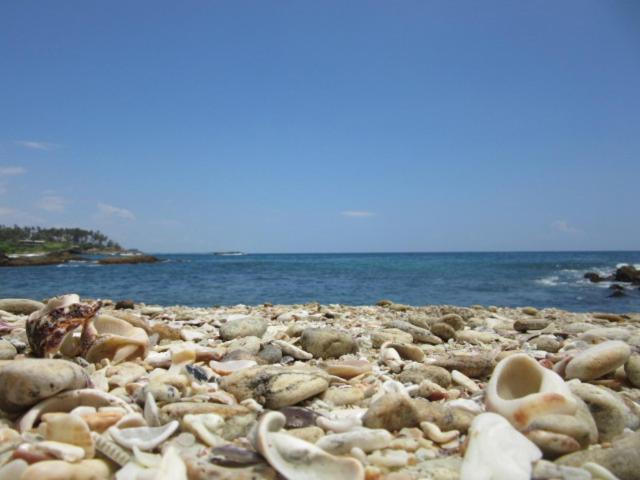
(402, 252)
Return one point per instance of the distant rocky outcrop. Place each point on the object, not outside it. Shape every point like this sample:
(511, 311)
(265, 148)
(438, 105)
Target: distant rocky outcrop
(624, 274)
(128, 259)
(53, 258)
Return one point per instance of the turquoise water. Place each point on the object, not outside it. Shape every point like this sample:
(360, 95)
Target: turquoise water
(504, 279)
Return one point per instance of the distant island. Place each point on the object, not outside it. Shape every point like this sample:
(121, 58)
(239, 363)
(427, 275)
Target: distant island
(32, 246)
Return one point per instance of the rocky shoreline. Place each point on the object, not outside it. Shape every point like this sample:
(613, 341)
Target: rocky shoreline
(66, 256)
(91, 391)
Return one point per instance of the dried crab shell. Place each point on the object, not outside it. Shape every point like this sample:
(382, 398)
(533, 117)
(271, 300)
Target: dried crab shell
(296, 459)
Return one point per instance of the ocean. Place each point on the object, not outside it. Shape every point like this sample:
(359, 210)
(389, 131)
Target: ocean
(539, 279)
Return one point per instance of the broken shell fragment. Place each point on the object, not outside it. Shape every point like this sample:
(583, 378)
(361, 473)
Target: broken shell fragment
(145, 438)
(230, 366)
(67, 401)
(117, 340)
(497, 451)
(70, 429)
(521, 390)
(367, 439)
(296, 459)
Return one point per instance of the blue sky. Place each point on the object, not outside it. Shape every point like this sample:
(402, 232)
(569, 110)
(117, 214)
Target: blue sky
(332, 126)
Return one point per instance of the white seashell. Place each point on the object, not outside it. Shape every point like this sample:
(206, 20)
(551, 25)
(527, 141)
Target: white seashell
(497, 451)
(68, 429)
(13, 469)
(227, 368)
(366, 439)
(63, 451)
(464, 381)
(133, 471)
(466, 404)
(359, 455)
(205, 426)
(292, 350)
(131, 420)
(296, 459)
(149, 460)
(110, 450)
(391, 358)
(145, 438)
(83, 410)
(598, 471)
(339, 425)
(252, 405)
(151, 411)
(389, 458)
(520, 390)
(433, 432)
(172, 467)
(67, 401)
(159, 359)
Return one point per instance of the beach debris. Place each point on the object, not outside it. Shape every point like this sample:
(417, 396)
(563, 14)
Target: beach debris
(497, 451)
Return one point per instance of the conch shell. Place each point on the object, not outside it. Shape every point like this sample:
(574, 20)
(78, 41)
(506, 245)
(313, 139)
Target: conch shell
(48, 327)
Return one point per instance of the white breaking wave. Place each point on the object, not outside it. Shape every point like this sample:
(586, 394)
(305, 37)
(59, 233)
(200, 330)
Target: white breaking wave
(635, 265)
(551, 281)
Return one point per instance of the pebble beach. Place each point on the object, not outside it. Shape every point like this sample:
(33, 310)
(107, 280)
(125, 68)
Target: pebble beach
(95, 389)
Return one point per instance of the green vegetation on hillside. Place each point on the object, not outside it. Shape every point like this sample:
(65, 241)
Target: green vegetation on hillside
(37, 239)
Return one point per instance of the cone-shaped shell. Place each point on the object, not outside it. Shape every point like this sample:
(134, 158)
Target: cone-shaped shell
(521, 390)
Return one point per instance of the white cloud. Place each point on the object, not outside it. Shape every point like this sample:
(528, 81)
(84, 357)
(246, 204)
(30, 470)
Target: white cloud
(10, 171)
(52, 203)
(357, 213)
(111, 211)
(33, 145)
(564, 227)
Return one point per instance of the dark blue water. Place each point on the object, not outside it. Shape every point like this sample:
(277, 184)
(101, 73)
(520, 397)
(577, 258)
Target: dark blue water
(504, 279)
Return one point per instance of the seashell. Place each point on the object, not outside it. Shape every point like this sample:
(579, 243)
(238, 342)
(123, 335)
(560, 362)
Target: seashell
(339, 425)
(204, 426)
(63, 451)
(149, 460)
(521, 390)
(597, 361)
(100, 381)
(292, 350)
(347, 368)
(433, 432)
(172, 467)
(252, 405)
(48, 327)
(598, 471)
(100, 421)
(474, 365)
(181, 356)
(391, 358)
(158, 359)
(367, 439)
(131, 420)
(465, 404)
(431, 390)
(66, 401)
(389, 458)
(110, 450)
(497, 451)
(298, 417)
(57, 469)
(233, 456)
(228, 367)
(464, 381)
(13, 469)
(117, 340)
(70, 429)
(124, 373)
(151, 411)
(145, 438)
(296, 459)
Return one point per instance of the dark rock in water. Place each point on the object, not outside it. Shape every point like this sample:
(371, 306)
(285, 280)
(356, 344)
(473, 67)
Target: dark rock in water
(593, 277)
(627, 273)
(53, 258)
(129, 259)
(615, 286)
(125, 305)
(617, 294)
